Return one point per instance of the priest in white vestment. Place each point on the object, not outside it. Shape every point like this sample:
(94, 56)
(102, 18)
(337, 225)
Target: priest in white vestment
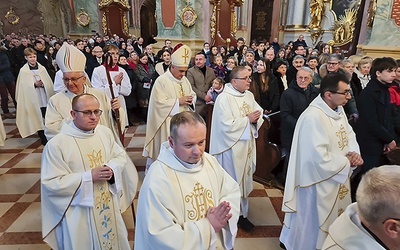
(33, 90)
(82, 183)
(187, 201)
(171, 94)
(323, 155)
(121, 84)
(72, 65)
(235, 122)
(373, 222)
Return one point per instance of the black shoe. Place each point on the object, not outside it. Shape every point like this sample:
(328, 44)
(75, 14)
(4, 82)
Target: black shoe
(245, 224)
(282, 245)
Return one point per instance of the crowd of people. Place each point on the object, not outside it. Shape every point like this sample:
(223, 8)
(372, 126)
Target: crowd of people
(338, 118)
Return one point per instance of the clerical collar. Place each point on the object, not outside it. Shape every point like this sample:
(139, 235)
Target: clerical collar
(374, 236)
(185, 164)
(237, 90)
(36, 66)
(80, 130)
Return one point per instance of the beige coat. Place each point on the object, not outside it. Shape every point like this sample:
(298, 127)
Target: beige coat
(200, 84)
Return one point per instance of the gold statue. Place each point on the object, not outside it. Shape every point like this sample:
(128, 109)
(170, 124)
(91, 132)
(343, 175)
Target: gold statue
(317, 10)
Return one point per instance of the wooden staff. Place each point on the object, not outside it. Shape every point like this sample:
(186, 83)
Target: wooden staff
(109, 63)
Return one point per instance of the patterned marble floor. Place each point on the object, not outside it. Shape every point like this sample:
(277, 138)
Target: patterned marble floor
(20, 215)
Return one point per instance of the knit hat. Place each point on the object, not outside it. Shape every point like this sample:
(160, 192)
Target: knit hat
(181, 55)
(70, 59)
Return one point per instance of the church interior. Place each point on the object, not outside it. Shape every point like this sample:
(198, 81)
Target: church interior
(351, 28)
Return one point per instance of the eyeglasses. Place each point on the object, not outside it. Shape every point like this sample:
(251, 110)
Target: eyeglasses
(247, 78)
(346, 93)
(89, 113)
(303, 78)
(332, 63)
(73, 79)
(100, 51)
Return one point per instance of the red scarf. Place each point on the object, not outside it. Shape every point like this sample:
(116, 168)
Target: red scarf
(394, 95)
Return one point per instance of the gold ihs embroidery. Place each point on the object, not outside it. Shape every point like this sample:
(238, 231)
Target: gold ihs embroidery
(343, 191)
(245, 109)
(96, 159)
(201, 199)
(343, 138)
(340, 211)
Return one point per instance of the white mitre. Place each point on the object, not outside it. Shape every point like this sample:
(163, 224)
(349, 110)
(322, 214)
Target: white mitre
(70, 59)
(181, 55)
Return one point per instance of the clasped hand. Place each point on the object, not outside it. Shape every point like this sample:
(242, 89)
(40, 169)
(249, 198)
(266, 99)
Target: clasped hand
(103, 173)
(254, 116)
(219, 216)
(186, 100)
(354, 159)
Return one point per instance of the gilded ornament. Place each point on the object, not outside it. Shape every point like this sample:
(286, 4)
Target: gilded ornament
(371, 13)
(125, 23)
(344, 27)
(83, 18)
(343, 191)
(233, 23)
(11, 17)
(213, 23)
(200, 199)
(343, 138)
(188, 16)
(317, 11)
(104, 24)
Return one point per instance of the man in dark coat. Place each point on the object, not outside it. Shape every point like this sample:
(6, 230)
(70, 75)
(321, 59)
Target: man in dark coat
(293, 102)
(373, 131)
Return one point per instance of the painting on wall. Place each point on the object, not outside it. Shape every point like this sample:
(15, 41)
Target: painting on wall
(339, 6)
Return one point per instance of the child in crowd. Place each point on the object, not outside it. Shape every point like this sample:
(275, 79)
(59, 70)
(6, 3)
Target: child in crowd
(215, 89)
(218, 67)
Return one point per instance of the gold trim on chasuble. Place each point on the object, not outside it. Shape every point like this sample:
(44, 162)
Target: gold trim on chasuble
(200, 199)
(103, 210)
(343, 138)
(244, 111)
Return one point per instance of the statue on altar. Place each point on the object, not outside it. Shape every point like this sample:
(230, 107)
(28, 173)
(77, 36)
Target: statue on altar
(317, 10)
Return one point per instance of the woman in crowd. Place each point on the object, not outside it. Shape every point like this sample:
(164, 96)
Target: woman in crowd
(230, 64)
(362, 71)
(162, 66)
(133, 60)
(131, 99)
(144, 72)
(266, 92)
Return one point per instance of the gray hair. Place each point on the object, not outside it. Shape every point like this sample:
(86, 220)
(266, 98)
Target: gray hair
(334, 57)
(308, 70)
(378, 194)
(185, 117)
(299, 57)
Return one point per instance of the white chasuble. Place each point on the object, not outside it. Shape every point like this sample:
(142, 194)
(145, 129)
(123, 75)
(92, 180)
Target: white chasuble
(317, 187)
(174, 200)
(29, 118)
(348, 233)
(232, 139)
(104, 212)
(79, 213)
(164, 104)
